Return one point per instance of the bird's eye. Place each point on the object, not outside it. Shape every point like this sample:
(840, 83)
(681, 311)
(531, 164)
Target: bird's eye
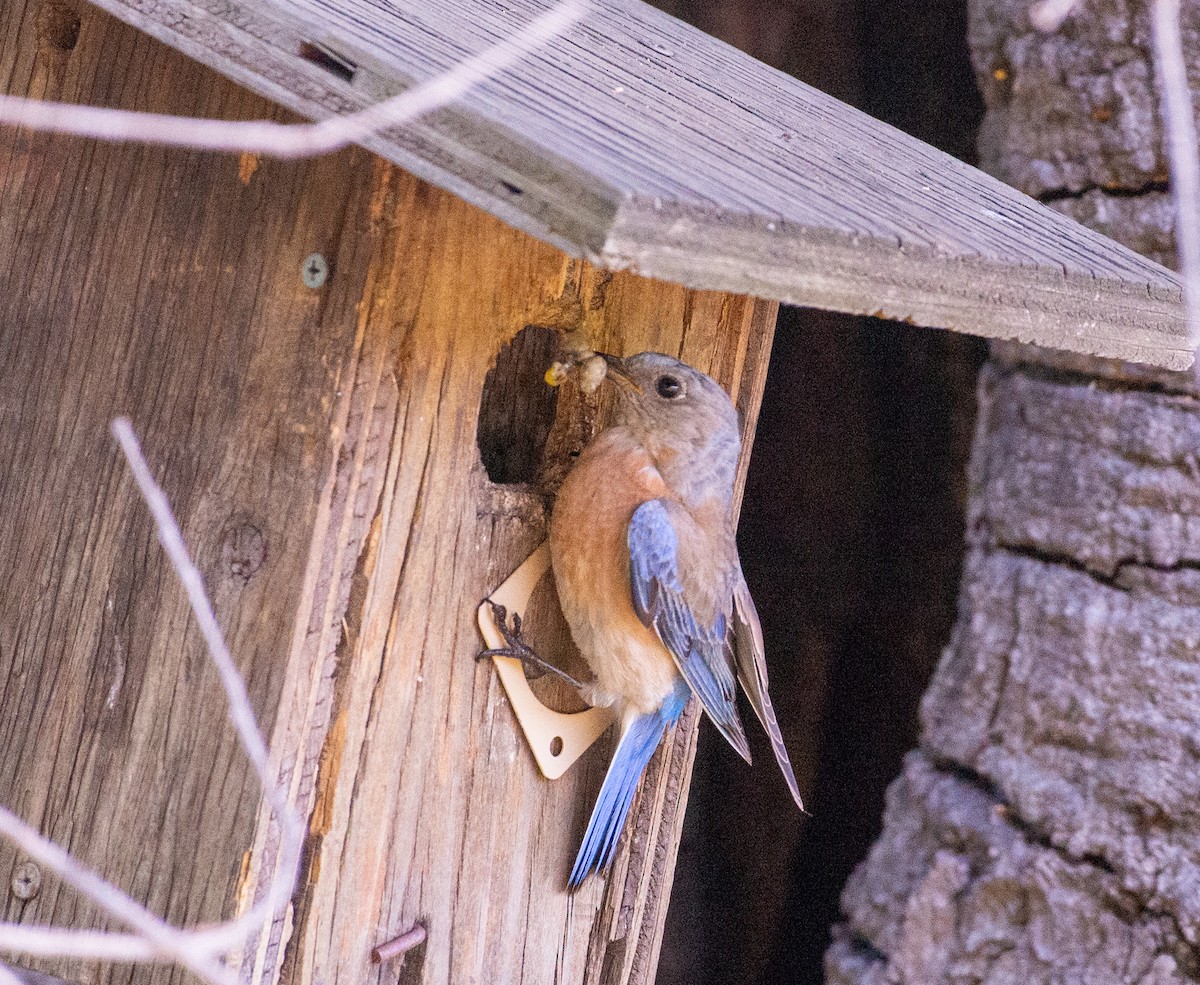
(668, 387)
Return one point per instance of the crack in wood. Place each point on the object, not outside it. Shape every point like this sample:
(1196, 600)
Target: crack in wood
(1117, 580)
(1032, 552)
(1112, 191)
(1030, 832)
(862, 945)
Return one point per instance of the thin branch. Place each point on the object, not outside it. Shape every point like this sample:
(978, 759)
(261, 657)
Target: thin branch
(88, 945)
(7, 977)
(291, 140)
(165, 939)
(241, 713)
(1182, 155)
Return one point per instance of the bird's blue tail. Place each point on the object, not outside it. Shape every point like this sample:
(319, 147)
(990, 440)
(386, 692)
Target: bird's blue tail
(639, 738)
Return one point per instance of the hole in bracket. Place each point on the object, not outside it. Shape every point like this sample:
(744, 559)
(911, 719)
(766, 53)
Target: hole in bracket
(328, 59)
(556, 746)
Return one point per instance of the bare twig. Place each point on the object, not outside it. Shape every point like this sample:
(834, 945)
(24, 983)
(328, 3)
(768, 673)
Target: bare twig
(7, 977)
(163, 939)
(241, 713)
(291, 140)
(1182, 155)
(88, 945)
(1049, 15)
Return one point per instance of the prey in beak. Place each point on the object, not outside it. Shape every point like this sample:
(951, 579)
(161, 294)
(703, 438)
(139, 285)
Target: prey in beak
(593, 368)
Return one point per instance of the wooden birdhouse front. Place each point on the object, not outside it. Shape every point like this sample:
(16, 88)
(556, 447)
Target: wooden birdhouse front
(335, 367)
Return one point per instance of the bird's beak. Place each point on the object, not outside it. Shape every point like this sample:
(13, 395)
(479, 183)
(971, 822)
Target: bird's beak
(618, 374)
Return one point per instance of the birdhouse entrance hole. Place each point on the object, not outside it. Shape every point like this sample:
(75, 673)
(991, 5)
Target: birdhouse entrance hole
(518, 408)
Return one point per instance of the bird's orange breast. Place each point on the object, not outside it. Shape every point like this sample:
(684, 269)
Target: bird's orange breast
(590, 553)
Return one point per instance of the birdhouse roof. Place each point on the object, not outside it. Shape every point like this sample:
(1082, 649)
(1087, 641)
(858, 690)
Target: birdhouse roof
(642, 143)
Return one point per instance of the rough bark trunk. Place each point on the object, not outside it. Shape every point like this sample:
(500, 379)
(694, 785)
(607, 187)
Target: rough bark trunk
(1046, 829)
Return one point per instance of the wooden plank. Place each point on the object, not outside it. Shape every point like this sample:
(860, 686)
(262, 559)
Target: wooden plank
(644, 144)
(428, 804)
(320, 448)
(166, 286)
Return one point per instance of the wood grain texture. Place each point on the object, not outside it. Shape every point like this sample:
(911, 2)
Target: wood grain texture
(163, 286)
(429, 805)
(643, 144)
(320, 448)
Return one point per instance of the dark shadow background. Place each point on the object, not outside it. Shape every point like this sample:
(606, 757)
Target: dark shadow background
(851, 532)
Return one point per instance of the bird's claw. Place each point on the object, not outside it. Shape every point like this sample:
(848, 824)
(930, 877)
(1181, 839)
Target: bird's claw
(516, 647)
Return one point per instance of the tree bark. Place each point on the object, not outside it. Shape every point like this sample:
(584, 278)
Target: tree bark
(1047, 829)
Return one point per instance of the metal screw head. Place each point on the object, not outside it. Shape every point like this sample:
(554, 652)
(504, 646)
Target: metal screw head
(26, 881)
(314, 270)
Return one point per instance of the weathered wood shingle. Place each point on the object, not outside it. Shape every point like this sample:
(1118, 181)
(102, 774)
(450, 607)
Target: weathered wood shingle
(644, 144)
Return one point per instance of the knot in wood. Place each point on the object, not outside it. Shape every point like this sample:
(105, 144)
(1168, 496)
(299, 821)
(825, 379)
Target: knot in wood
(243, 551)
(57, 28)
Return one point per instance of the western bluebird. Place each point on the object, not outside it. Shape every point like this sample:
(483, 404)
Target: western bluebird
(647, 570)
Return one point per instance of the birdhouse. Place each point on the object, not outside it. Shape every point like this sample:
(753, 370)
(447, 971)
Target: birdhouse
(336, 369)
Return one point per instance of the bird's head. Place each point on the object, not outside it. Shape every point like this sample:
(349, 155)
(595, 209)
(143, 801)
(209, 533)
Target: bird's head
(683, 418)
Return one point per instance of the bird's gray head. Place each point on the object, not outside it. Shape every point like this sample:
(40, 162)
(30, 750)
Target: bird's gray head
(683, 418)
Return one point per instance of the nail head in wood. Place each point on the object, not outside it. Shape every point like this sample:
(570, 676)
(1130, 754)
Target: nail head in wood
(26, 881)
(399, 945)
(314, 270)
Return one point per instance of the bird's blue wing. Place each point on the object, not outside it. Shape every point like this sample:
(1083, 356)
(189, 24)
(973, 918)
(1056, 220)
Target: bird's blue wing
(701, 652)
(752, 671)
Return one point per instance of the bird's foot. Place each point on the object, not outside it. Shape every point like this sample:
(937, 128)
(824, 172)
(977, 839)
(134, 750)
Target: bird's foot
(518, 649)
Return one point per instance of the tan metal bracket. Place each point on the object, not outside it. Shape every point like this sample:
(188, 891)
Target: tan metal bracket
(556, 739)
